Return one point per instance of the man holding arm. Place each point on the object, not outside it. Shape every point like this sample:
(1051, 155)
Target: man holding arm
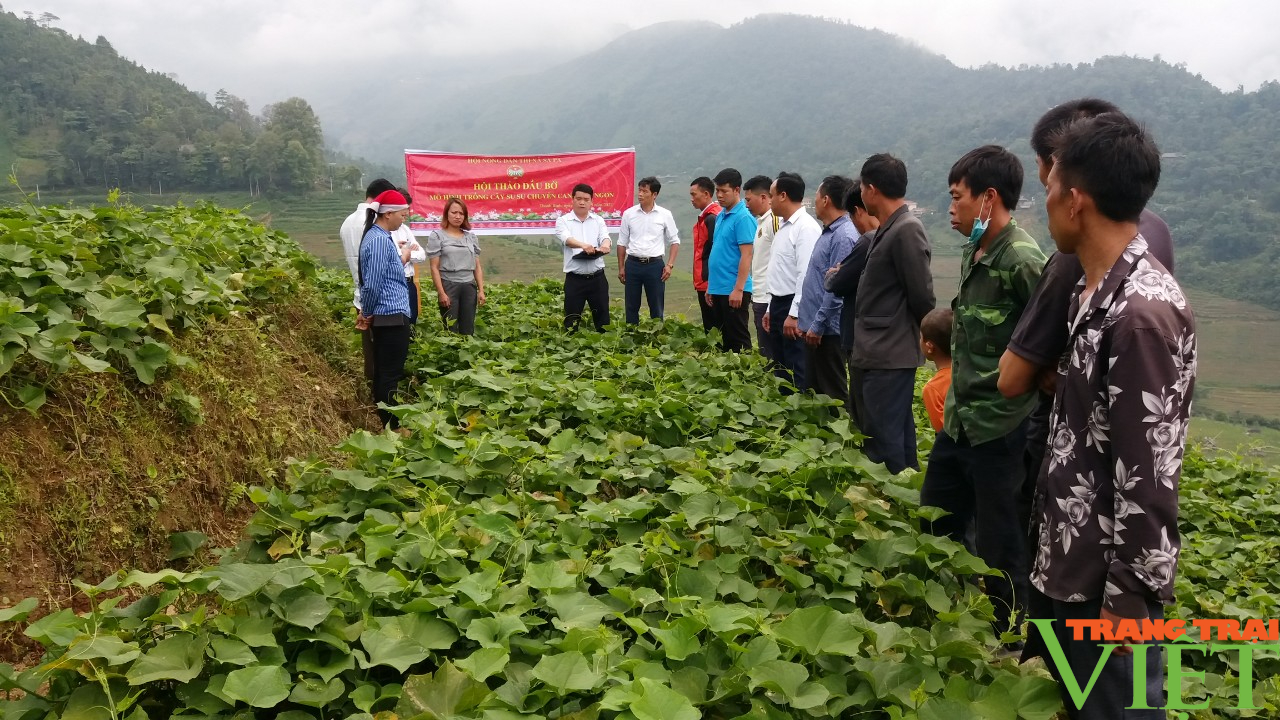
(819, 314)
(792, 247)
(586, 241)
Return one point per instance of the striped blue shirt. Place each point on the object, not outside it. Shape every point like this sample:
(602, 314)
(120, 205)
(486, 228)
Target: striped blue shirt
(820, 308)
(382, 288)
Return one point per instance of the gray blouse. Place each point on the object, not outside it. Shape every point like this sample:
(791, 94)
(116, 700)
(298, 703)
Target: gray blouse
(457, 255)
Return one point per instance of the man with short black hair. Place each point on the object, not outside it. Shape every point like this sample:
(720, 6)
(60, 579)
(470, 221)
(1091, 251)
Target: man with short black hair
(843, 280)
(647, 228)
(729, 267)
(1107, 501)
(894, 295)
(702, 197)
(819, 312)
(1031, 360)
(585, 239)
(975, 469)
(755, 193)
(351, 233)
(792, 248)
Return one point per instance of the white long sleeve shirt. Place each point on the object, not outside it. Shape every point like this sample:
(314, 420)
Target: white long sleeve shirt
(404, 236)
(789, 259)
(351, 232)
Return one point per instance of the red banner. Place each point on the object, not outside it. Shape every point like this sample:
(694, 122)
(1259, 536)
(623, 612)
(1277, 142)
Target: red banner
(518, 194)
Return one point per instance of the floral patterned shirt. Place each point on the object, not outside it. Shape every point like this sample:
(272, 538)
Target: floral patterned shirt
(1107, 499)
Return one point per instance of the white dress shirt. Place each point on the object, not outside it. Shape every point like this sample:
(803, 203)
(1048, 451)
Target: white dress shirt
(592, 230)
(789, 259)
(765, 231)
(351, 233)
(646, 234)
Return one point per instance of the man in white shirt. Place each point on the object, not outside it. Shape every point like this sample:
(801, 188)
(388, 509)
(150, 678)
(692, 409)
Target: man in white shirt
(792, 246)
(647, 229)
(755, 192)
(351, 233)
(586, 241)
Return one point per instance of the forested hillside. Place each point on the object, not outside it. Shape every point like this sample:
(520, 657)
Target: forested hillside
(786, 92)
(74, 114)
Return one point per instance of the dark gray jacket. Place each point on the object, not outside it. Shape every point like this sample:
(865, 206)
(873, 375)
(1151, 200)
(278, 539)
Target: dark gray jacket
(894, 295)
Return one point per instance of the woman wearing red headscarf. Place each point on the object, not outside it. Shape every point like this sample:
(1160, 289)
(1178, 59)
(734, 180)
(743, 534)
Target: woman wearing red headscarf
(384, 298)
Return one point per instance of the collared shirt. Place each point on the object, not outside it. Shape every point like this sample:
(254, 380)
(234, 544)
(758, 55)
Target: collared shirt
(766, 227)
(703, 233)
(792, 246)
(592, 231)
(351, 232)
(845, 285)
(458, 255)
(820, 308)
(1107, 500)
(994, 290)
(735, 227)
(646, 234)
(383, 290)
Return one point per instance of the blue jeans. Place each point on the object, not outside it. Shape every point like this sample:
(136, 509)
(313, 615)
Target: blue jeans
(646, 276)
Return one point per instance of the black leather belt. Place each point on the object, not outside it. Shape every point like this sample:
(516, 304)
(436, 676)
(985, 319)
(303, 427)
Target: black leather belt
(644, 260)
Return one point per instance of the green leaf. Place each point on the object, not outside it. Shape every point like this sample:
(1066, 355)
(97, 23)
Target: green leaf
(303, 607)
(186, 544)
(106, 647)
(19, 612)
(259, 686)
(566, 672)
(680, 639)
(405, 640)
(447, 694)
(317, 693)
(32, 397)
(237, 581)
(655, 701)
(231, 651)
(179, 658)
(779, 676)
(820, 629)
(325, 660)
(485, 662)
(493, 632)
(120, 311)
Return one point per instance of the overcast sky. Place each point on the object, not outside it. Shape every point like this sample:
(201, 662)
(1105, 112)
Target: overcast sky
(252, 47)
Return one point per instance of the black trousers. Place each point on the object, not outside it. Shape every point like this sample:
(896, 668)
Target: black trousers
(708, 314)
(1112, 693)
(734, 323)
(413, 299)
(390, 350)
(788, 353)
(463, 298)
(646, 278)
(884, 399)
(763, 339)
(825, 368)
(980, 486)
(581, 291)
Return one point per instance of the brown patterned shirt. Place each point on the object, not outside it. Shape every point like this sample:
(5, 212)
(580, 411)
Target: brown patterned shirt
(1107, 499)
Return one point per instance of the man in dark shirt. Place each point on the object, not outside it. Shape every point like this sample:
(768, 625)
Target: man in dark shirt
(1041, 336)
(894, 294)
(1106, 507)
(842, 280)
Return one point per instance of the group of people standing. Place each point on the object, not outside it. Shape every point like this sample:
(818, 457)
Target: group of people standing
(383, 256)
(1064, 388)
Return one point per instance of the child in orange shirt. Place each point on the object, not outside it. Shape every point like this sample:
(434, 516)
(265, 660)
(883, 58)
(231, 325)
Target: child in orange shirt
(935, 341)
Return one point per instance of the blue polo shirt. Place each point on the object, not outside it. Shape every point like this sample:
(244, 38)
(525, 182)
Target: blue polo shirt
(735, 226)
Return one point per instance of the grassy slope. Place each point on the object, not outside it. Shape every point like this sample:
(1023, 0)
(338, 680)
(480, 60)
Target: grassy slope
(98, 478)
